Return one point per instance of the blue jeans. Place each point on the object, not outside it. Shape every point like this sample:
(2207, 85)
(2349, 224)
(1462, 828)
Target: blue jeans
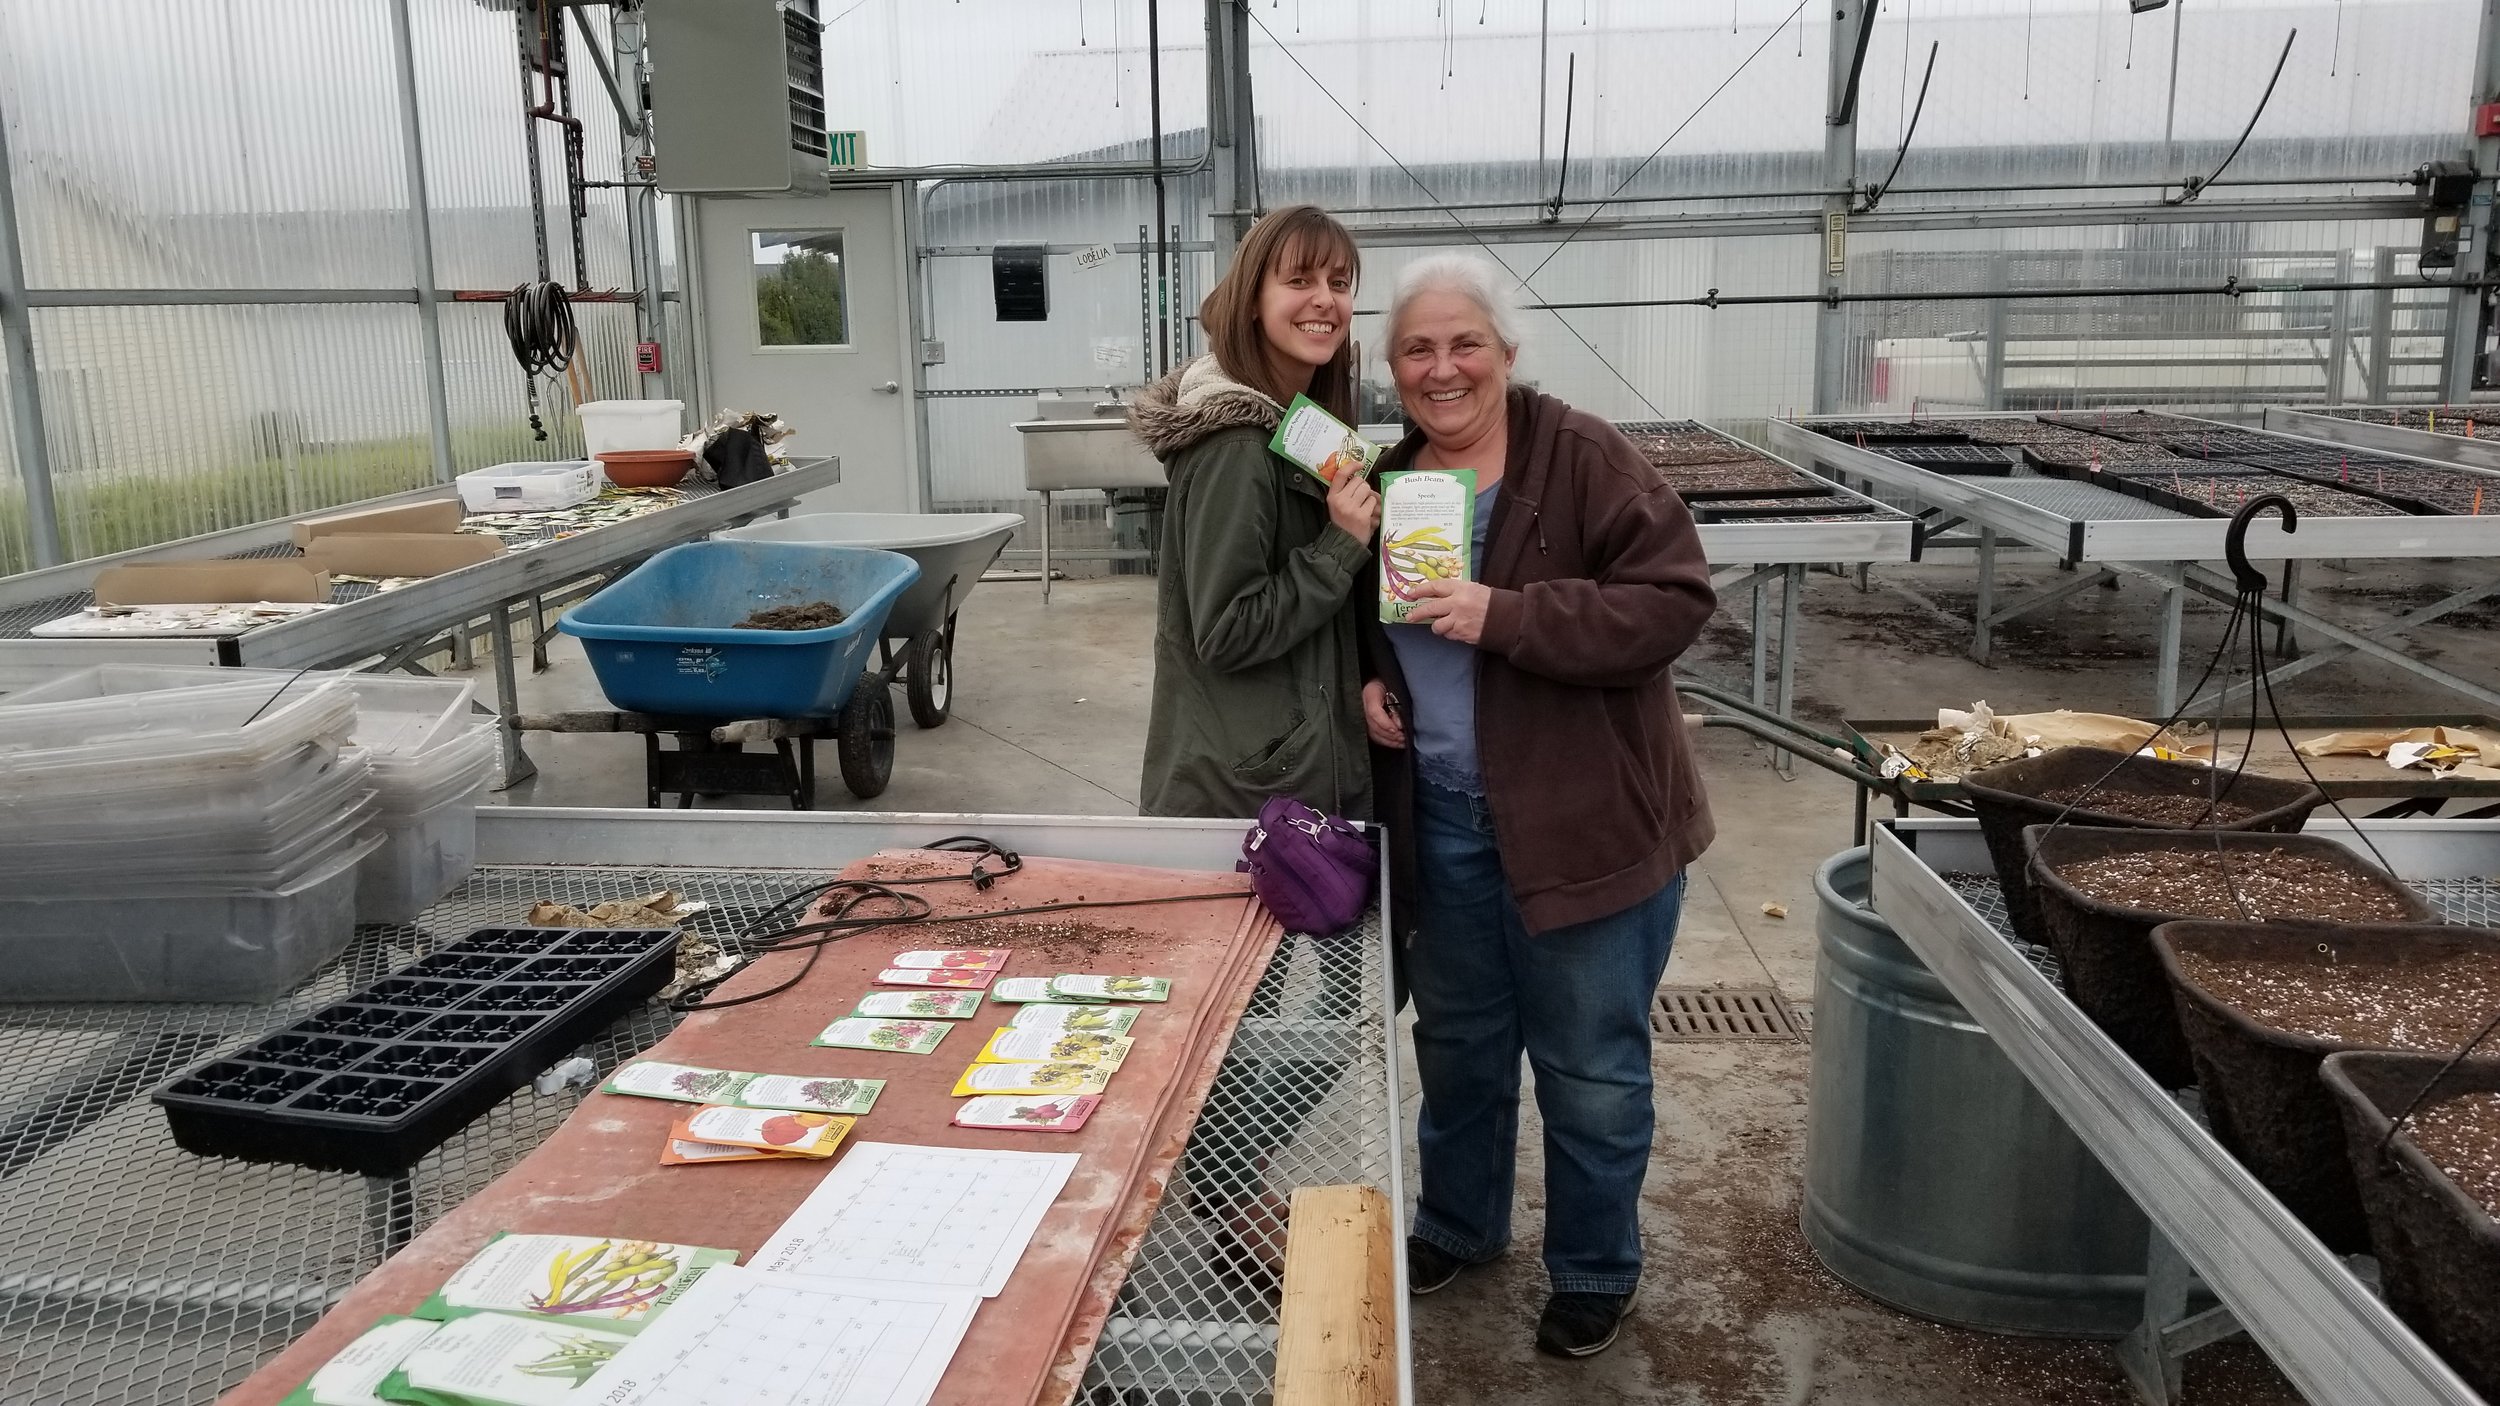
(1577, 1001)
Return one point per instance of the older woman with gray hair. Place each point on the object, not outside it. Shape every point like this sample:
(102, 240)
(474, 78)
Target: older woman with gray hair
(1531, 763)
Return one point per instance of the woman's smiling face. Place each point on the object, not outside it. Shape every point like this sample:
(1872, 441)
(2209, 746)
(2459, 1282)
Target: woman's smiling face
(1305, 311)
(1452, 371)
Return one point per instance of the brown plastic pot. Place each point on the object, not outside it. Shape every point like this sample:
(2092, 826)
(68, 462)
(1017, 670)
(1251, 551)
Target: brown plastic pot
(2262, 1092)
(647, 468)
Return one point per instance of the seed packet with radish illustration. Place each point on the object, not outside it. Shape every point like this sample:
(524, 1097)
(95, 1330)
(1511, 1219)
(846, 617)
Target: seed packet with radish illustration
(1110, 988)
(611, 1281)
(1065, 1114)
(920, 1005)
(503, 1359)
(1017, 989)
(921, 976)
(353, 1376)
(1059, 1077)
(1426, 516)
(1045, 1015)
(976, 959)
(1321, 443)
(1013, 1046)
(807, 1134)
(892, 1036)
(685, 1152)
(688, 1083)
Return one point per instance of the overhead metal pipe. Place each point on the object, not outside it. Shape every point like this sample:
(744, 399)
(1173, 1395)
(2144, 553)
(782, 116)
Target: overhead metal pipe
(17, 346)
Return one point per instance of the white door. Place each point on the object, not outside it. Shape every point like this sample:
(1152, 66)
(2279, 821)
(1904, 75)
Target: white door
(806, 312)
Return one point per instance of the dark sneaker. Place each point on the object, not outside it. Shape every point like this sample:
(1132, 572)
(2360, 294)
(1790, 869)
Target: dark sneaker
(1429, 1267)
(1581, 1325)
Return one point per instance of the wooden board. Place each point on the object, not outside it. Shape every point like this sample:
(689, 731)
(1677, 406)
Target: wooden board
(1336, 1340)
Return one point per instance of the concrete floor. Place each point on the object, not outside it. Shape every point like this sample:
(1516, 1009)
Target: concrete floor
(1050, 718)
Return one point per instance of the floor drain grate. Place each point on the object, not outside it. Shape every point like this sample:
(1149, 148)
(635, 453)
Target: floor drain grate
(1726, 1013)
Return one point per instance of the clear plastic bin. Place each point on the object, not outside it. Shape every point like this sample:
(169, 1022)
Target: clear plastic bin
(113, 839)
(396, 714)
(528, 487)
(423, 856)
(175, 732)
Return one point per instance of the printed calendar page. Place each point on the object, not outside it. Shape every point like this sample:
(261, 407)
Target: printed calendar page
(946, 1217)
(741, 1337)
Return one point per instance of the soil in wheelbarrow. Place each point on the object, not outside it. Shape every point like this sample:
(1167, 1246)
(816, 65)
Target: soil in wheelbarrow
(814, 615)
(2462, 1137)
(2257, 885)
(2165, 811)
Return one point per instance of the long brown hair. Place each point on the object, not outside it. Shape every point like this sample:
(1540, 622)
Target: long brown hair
(1295, 237)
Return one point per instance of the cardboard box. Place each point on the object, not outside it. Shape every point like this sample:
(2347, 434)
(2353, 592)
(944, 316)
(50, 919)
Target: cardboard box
(401, 553)
(211, 582)
(436, 515)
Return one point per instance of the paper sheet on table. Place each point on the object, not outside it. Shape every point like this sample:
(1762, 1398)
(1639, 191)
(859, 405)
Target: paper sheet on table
(2067, 729)
(946, 1217)
(2476, 745)
(743, 1335)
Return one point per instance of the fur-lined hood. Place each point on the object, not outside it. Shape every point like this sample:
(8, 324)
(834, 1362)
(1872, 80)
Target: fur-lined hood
(1194, 402)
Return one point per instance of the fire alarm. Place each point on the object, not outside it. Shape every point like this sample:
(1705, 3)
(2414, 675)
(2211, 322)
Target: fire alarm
(647, 358)
(2487, 120)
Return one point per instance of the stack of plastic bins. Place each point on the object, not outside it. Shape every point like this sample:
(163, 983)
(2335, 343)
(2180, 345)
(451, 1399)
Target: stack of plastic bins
(428, 816)
(192, 844)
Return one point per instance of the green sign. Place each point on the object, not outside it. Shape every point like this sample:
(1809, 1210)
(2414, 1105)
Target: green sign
(846, 149)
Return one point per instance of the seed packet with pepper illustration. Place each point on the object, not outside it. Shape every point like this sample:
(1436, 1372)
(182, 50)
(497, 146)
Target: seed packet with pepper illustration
(1425, 519)
(1013, 1046)
(893, 1036)
(1110, 988)
(1046, 1015)
(1320, 442)
(611, 1281)
(808, 1134)
(920, 1005)
(1064, 1114)
(977, 959)
(503, 1359)
(689, 1083)
(352, 1376)
(1057, 1077)
(922, 976)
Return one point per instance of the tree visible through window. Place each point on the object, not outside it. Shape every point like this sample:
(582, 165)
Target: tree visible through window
(799, 289)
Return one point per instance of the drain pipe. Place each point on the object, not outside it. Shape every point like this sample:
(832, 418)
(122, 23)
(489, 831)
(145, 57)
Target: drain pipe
(17, 343)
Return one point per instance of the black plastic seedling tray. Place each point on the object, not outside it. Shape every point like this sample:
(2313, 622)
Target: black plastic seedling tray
(375, 1082)
(1958, 459)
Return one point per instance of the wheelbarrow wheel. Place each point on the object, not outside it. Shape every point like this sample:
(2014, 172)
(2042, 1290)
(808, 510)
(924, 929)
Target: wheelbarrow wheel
(929, 673)
(867, 741)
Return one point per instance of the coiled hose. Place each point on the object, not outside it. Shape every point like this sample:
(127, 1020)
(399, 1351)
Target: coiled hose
(538, 319)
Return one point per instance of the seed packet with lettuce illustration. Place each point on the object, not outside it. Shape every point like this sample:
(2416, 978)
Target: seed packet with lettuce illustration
(1426, 516)
(1321, 443)
(353, 1376)
(504, 1359)
(920, 1005)
(891, 1036)
(609, 1281)
(1063, 1114)
(689, 1083)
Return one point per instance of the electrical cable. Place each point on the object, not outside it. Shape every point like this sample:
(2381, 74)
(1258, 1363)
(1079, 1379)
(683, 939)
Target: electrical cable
(538, 321)
(2192, 186)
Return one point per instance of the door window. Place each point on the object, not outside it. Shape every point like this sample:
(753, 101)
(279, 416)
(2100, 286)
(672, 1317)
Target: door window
(800, 294)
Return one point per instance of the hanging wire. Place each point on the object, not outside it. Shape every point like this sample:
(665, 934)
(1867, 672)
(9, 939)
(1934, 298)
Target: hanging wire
(2337, 50)
(2031, 18)
(1080, 23)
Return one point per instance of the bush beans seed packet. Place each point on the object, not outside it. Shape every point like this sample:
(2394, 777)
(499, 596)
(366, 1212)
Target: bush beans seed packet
(891, 1036)
(612, 1282)
(1426, 516)
(927, 976)
(1065, 1114)
(1021, 989)
(1107, 1020)
(1321, 443)
(1060, 1077)
(352, 1377)
(503, 1359)
(1012, 1046)
(808, 1134)
(920, 1005)
(976, 959)
(688, 1083)
(686, 1152)
(1110, 988)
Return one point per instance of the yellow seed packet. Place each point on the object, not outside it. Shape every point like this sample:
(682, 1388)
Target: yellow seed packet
(1013, 1046)
(1054, 1077)
(1425, 519)
(764, 1129)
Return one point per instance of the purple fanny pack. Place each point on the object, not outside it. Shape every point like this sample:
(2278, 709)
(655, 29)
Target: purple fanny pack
(1312, 870)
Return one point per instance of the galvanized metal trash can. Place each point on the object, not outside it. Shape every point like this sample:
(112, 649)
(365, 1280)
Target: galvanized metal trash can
(1937, 1181)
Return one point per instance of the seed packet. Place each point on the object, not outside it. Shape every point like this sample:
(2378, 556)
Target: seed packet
(1060, 1077)
(920, 1005)
(1065, 1114)
(352, 1377)
(919, 976)
(977, 959)
(686, 1152)
(808, 1134)
(1015, 989)
(687, 1083)
(892, 1036)
(1110, 988)
(1075, 1046)
(1109, 1020)
(1321, 443)
(502, 1359)
(613, 1282)
(1425, 519)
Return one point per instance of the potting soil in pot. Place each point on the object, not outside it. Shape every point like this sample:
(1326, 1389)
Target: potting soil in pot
(2185, 812)
(2462, 1135)
(2433, 1007)
(815, 615)
(2273, 883)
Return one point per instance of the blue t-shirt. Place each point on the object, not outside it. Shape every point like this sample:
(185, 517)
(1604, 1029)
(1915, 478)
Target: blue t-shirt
(1441, 684)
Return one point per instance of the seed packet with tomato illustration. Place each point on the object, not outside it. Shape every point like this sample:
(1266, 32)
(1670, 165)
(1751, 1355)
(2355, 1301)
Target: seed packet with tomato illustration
(922, 976)
(1320, 442)
(1110, 988)
(612, 1281)
(1076, 1046)
(1045, 1015)
(1026, 1115)
(683, 1152)
(975, 959)
(1057, 1077)
(892, 1036)
(1425, 518)
(807, 1134)
(1019, 989)
(920, 1005)
(689, 1083)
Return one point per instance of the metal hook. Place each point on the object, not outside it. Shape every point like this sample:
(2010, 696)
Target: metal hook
(2235, 538)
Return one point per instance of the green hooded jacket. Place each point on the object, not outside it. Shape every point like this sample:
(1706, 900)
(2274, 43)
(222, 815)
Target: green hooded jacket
(1258, 672)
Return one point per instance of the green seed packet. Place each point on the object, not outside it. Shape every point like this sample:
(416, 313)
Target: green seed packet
(688, 1083)
(1015, 990)
(353, 1376)
(1110, 988)
(892, 1036)
(608, 1282)
(1105, 1020)
(1426, 516)
(1321, 443)
(504, 1359)
(920, 1005)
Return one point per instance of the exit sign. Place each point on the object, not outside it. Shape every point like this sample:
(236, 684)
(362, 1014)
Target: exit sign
(846, 149)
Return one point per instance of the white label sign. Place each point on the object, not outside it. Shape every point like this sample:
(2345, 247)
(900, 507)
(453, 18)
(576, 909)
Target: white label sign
(1093, 256)
(1111, 351)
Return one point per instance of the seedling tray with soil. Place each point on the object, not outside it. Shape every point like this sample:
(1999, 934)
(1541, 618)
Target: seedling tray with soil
(1753, 478)
(2438, 1243)
(2084, 456)
(2262, 1004)
(2010, 430)
(2100, 893)
(375, 1082)
(1886, 434)
(1959, 459)
(2221, 495)
(1832, 505)
(2414, 487)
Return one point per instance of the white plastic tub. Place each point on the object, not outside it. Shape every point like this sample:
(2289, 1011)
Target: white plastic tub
(423, 856)
(521, 488)
(397, 715)
(629, 424)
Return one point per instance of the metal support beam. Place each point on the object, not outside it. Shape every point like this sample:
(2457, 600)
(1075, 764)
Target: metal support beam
(642, 205)
(1232, 125)
(1792, 589)
(2347, 642)
(2467, 307)
(1984, 604)
(2166, 656)
(1852, 22)
(17, 352)
(421, 240)
(2339, 331)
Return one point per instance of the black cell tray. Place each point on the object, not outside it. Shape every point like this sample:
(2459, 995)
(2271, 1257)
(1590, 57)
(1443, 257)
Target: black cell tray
(375, 1082)
(1960, 460)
